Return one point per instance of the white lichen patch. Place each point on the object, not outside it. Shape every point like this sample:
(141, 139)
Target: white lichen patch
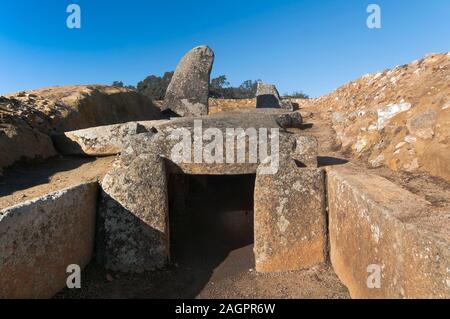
(377, 162)
(360, 145)
(375, 232)
(389, 111)
(283, 224)
(410, 139)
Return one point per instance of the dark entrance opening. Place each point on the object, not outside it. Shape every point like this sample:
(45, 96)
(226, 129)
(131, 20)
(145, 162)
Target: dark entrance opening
(211, 224)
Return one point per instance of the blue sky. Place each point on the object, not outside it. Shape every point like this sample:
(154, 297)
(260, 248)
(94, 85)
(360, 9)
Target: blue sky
(310, 45)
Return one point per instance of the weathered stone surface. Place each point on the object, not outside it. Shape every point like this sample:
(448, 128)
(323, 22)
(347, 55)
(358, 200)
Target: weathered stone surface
(306, 149)
(290, 219)
(267, 96)
(375, 222)
(101, 140)
(188, 92)
(40, 238)
(20, 142)
(290, 120)
(422, 125)
(133, 234)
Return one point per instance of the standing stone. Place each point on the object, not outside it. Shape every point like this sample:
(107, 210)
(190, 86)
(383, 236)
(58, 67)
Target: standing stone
(188, 92)
(290, 219)
(132, 234)
(267, 96)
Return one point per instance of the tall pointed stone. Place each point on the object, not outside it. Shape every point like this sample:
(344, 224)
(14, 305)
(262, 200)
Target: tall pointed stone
(188, 92)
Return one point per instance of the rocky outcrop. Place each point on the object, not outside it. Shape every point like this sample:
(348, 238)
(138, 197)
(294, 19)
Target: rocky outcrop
(67, 108)
(22, 143)
(188, 92)
(386, 242)
(398, 118)
(39, 239)
(28, 118)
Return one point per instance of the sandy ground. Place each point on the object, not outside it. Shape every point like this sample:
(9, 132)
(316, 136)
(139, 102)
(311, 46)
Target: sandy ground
(25, 183)
(233, 278)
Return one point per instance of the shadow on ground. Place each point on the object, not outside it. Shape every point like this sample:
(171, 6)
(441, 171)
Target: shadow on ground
(330, 161)
(20, 178)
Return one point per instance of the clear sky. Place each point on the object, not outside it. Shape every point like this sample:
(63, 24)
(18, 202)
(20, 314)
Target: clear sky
(310, 45)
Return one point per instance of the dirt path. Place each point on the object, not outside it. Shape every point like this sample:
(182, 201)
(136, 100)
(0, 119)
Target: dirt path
(234, 277)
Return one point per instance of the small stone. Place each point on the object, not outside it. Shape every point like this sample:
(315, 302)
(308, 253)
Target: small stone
(410, 139)
(377, 162)
(267, 96)
(422, 124)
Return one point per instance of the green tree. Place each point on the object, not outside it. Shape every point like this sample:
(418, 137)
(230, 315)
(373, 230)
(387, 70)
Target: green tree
(218, 87)
(118, 84)
(297, 95)
(154, 86)
(247, 89)
(121, 85)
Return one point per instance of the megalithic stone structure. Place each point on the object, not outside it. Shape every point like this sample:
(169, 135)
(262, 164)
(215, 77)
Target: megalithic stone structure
(267, 96)
(188, 92)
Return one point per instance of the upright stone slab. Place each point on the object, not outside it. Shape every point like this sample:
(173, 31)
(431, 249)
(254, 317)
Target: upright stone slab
(385, 242)
(290, 220)
(267, 96)
(40, 238)
(132, 233)
(188, 92)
